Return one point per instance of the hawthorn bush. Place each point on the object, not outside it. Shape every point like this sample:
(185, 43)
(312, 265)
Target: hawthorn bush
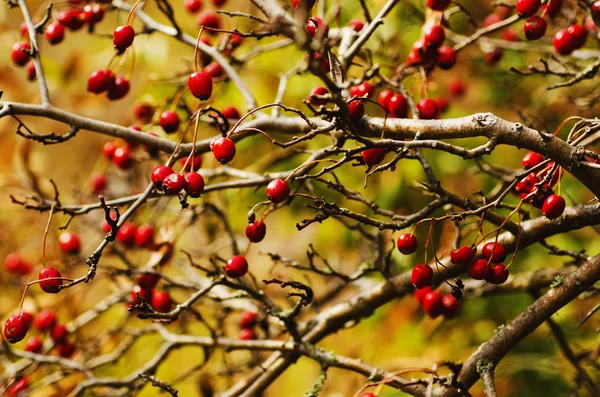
(244, 198)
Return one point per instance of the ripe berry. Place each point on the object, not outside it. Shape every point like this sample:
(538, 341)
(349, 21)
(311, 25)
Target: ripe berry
(422, 276)
(323, 61)
(30, 69)
(256, 231)
(144, 236)
(223, 149)
(34, 345)
(563, 42)
(451, 306)
(318, 91)
(100, 81)
(146, 280)
(159, 174)
(420, 293)
(457, 87)
(552, 7)
(69, 243)
(398, 106)
(231, 113)
(108, 150)
(554, 206)
(463, 255)
(278, 191)
(434, 36)
(373, 156)
(123, 37)
(356, 24)
(579, 35)
(71, 19)
(192, 165)
(98, 183)
(50, 286)
(479, 270)
(443, 104)
(18, 387)
(119, 89)
(194, 185)
(145, 294)
(169, 121)
(356, 110)
(407, 243)
(596, 8)
(384, 99)
(122, 158)
(493, 56)
(173, 184)
(59, 333)
(93, 13)
(510, 35)
(214, 70)
(446, 57)
(13, 263)
(126, 234)
(20, 53)
(192, 6)
(248, 320)
(161, 301)
(495, 251)
(423, 53)
(432, 304)
(316, 24)
(143, 112)
(65, 350)
(236, 267)
(308, 4)
(45, 320)
(363, 89)
(247, 334)
(55, 33)
(535, 28)
(368, 395)
(532, 159)
(27, 316)
(200, 85)
(438, 5)
(527, 8)
(210, 20)
(498, 274)
(15, 328)
(428, 109)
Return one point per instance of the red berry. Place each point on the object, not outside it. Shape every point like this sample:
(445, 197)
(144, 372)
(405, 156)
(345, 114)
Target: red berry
(374, 155)
(420, 293)
(20, 53)
(434, 35)
(356, 110)
(93, 13)
(231, 113)
(316, 24)
(532, 159)
(50, 286)
(595, 8)
(318, 91)
(223, 149)
(398, 106)
(443, 103)
(510, 35)
(236, 267)
(479, 270)
(200, 85)
(194, 185)
(173, 184)
(384, 99)
(18, 387)
(31, 72)
(457, 87)
(108, 150)
(356, 24)
(527, 8)
(278, 191)
(65, 350)
(407, 243)
(192, 6)
(365, 89)
(144, 236)
(13, 263)
(422, 53)
(368, 395)
(432, 304)
(100, 81)
(463, 255)
(146, 280)
(71, 19)
(495, 251)
(579, 35)
(446, 57)
(492, 19)
(122, 158)
(27, 316)
(34, 345)
(159, 174)
(145, 294)
(214, 70)
(438, 5)
(323, 61)
(169, 121)
(553, 207)
(15, 329)
(193, 165)
(59, 333)
(451, 306)
(552, 7)
(248, 320)
(308, 4)
(24, 30)
(256, 231)
(247, 334)
(493, 56)
(535, 28)
(422, 276)
(126, 234)
(498, 274)
(119, 89)
(45, 320)
(209, 20)
(55, 33)
(563, 42)
(69, 243)
(98, 183)
(143, 112)
(219, 3)
(428, 109)
(161, 301)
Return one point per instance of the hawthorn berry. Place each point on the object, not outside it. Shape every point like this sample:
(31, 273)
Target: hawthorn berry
(463, 255)
(552, 7)
(18, 387)
(209, 20)
(535, 28)
(108, 150)
(432, 304)
(308, 4)
(71, 19)
(98, 183)
(438, 5)
(223, 149)
(173, 184)
(100, 81)
(316, 25)
(126, 234)
(236, 267)
(119, 89)
(54, 33)
(169, 121)
(93, 13)
(144, 236)
(316, 92)
(200, 85)
(27, 316)
(20, 53)
(368, 395)
(45, 320)
(122, 157)
(398, 106)
(248, 320)
(144, 293)
(15, 329)
(422, 276)
(510, 35)
(143, 112)
(146, 280)
(493, 251)
(161, 301)
(50, 286)
(527, 8)
(493, 56)
(59, 333)
(479, 270)
(578, 34)
(278, 191)
(384, 99)
(34, 345)
(31, 72)
(69, 243)
(443, 103)
(451, 306)
(563, 42)
(554, 206)
(159, 174)
(230, 112)
(14, 263)
(373, 156)
(457, 87)
(357, 25)
(420, 293)
(498, 274)
(423, 53)
(194, 185)
(446, 57)
(363, 89)
(434, 35)
(256, 231)
(532, 159)
(407, 243)
(247, 334)
(428, 109)
(65, 350)
(218, 3)
(596, 8)
(192, 6)
(322, 61)
(356, 110)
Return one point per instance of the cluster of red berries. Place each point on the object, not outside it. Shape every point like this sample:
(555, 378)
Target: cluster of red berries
(172, 183)
(490, 268)
(435, 304)
(248, 322)
(208, 19)
(120, 153)
(146, 290)
(104, 81)
(129, 234)
(430, 51)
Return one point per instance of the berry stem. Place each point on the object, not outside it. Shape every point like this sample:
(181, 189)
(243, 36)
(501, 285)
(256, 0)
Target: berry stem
(196, 67)
(46, 235)
(131, 15)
